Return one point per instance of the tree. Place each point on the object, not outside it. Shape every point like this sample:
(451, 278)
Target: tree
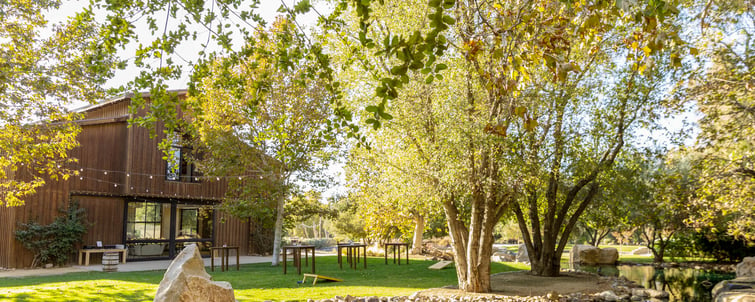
(724, 93)
(347, 223)
(305, 212)
(620, 189)
(494, 131)
(272, 109)
(664, 189)
(387, 191)
(45, 68)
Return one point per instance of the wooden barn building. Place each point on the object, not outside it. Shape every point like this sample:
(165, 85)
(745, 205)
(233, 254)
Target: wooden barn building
(131, 195)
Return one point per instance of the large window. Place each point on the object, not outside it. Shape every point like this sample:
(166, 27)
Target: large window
(144, 220)
(161, 228)
(195, 222)
(179, 168)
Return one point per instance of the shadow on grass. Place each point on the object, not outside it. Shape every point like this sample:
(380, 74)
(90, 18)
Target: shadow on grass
(253, 282)
(414, 275)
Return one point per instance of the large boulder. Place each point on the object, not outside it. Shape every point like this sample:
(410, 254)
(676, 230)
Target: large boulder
(641, 251)
(590, 255)
(746, 268)
(608, 255)
(737, 290)
(187, 281)
(503, 256)
(521, 255)
(742, 288)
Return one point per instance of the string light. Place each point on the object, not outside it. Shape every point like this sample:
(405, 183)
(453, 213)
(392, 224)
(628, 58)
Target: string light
(252, 173)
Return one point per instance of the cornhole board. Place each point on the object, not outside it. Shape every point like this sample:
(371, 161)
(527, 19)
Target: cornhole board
(319, 277)
(440, 265)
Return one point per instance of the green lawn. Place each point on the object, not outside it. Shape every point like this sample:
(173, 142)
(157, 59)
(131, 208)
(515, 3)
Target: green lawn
(254, 282)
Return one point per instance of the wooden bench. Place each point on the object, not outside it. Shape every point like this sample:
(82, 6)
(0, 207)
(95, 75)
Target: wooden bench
(86, 252)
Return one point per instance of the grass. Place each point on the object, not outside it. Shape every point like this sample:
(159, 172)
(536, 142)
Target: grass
(254, 282)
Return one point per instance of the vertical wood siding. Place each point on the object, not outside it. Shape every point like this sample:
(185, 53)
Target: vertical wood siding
(7, 227)
(104, 216)
(232, 231)
(115, 162)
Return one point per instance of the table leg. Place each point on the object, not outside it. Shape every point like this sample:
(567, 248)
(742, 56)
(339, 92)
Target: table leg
(298, 262)
(284, 261)
(385, 253)
(407, 253)
(212, 260)
(394, 255)
(224, 260)
(313, 262)
(237, 258)
(365, 256)
(86, 258)
(306, 257)
(399, 254)
(340, 264)
(80, 257)
(354, 257)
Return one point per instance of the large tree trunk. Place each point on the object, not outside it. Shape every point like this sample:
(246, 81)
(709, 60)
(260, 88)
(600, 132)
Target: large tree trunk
(547, 265)
(278, 231)
(473, 245)
(419, 229)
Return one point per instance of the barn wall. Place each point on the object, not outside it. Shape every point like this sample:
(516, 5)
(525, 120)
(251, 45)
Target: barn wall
(115, 163)
(232, 232)
(7, 254)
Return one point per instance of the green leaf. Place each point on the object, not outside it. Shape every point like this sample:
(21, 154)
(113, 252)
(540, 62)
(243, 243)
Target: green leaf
(371, 108)
(399, 70)
(385, 115)
(440, 67)
(520, 111)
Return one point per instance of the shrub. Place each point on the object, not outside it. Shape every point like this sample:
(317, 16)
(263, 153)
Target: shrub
(54, 243)
(319, 243)
(722, 246)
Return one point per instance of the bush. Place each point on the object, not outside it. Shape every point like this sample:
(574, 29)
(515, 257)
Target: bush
(54, 243)
(319, 243)
(721, 246)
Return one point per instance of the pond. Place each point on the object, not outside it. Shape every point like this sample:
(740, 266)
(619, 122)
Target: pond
(682, 284)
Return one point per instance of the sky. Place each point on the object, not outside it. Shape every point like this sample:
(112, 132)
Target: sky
(267, 10)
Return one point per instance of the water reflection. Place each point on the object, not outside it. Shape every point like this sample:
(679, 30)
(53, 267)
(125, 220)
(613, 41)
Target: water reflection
(682, 284)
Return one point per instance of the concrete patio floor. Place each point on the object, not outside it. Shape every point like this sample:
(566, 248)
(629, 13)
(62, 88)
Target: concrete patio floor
(133, 266)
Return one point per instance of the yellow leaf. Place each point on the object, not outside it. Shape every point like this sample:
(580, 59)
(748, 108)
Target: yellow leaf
(647, 50)
(520, 111)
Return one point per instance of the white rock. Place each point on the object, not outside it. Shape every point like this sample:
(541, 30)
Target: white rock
(590, 255)
(609, 296)
(746, 268)
(641, 251)
(656, 293)
(186, 280)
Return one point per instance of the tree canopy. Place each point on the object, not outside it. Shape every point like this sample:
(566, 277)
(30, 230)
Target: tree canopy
(45, 69)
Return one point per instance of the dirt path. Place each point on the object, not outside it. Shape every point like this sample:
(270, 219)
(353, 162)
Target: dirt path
(523, 284)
